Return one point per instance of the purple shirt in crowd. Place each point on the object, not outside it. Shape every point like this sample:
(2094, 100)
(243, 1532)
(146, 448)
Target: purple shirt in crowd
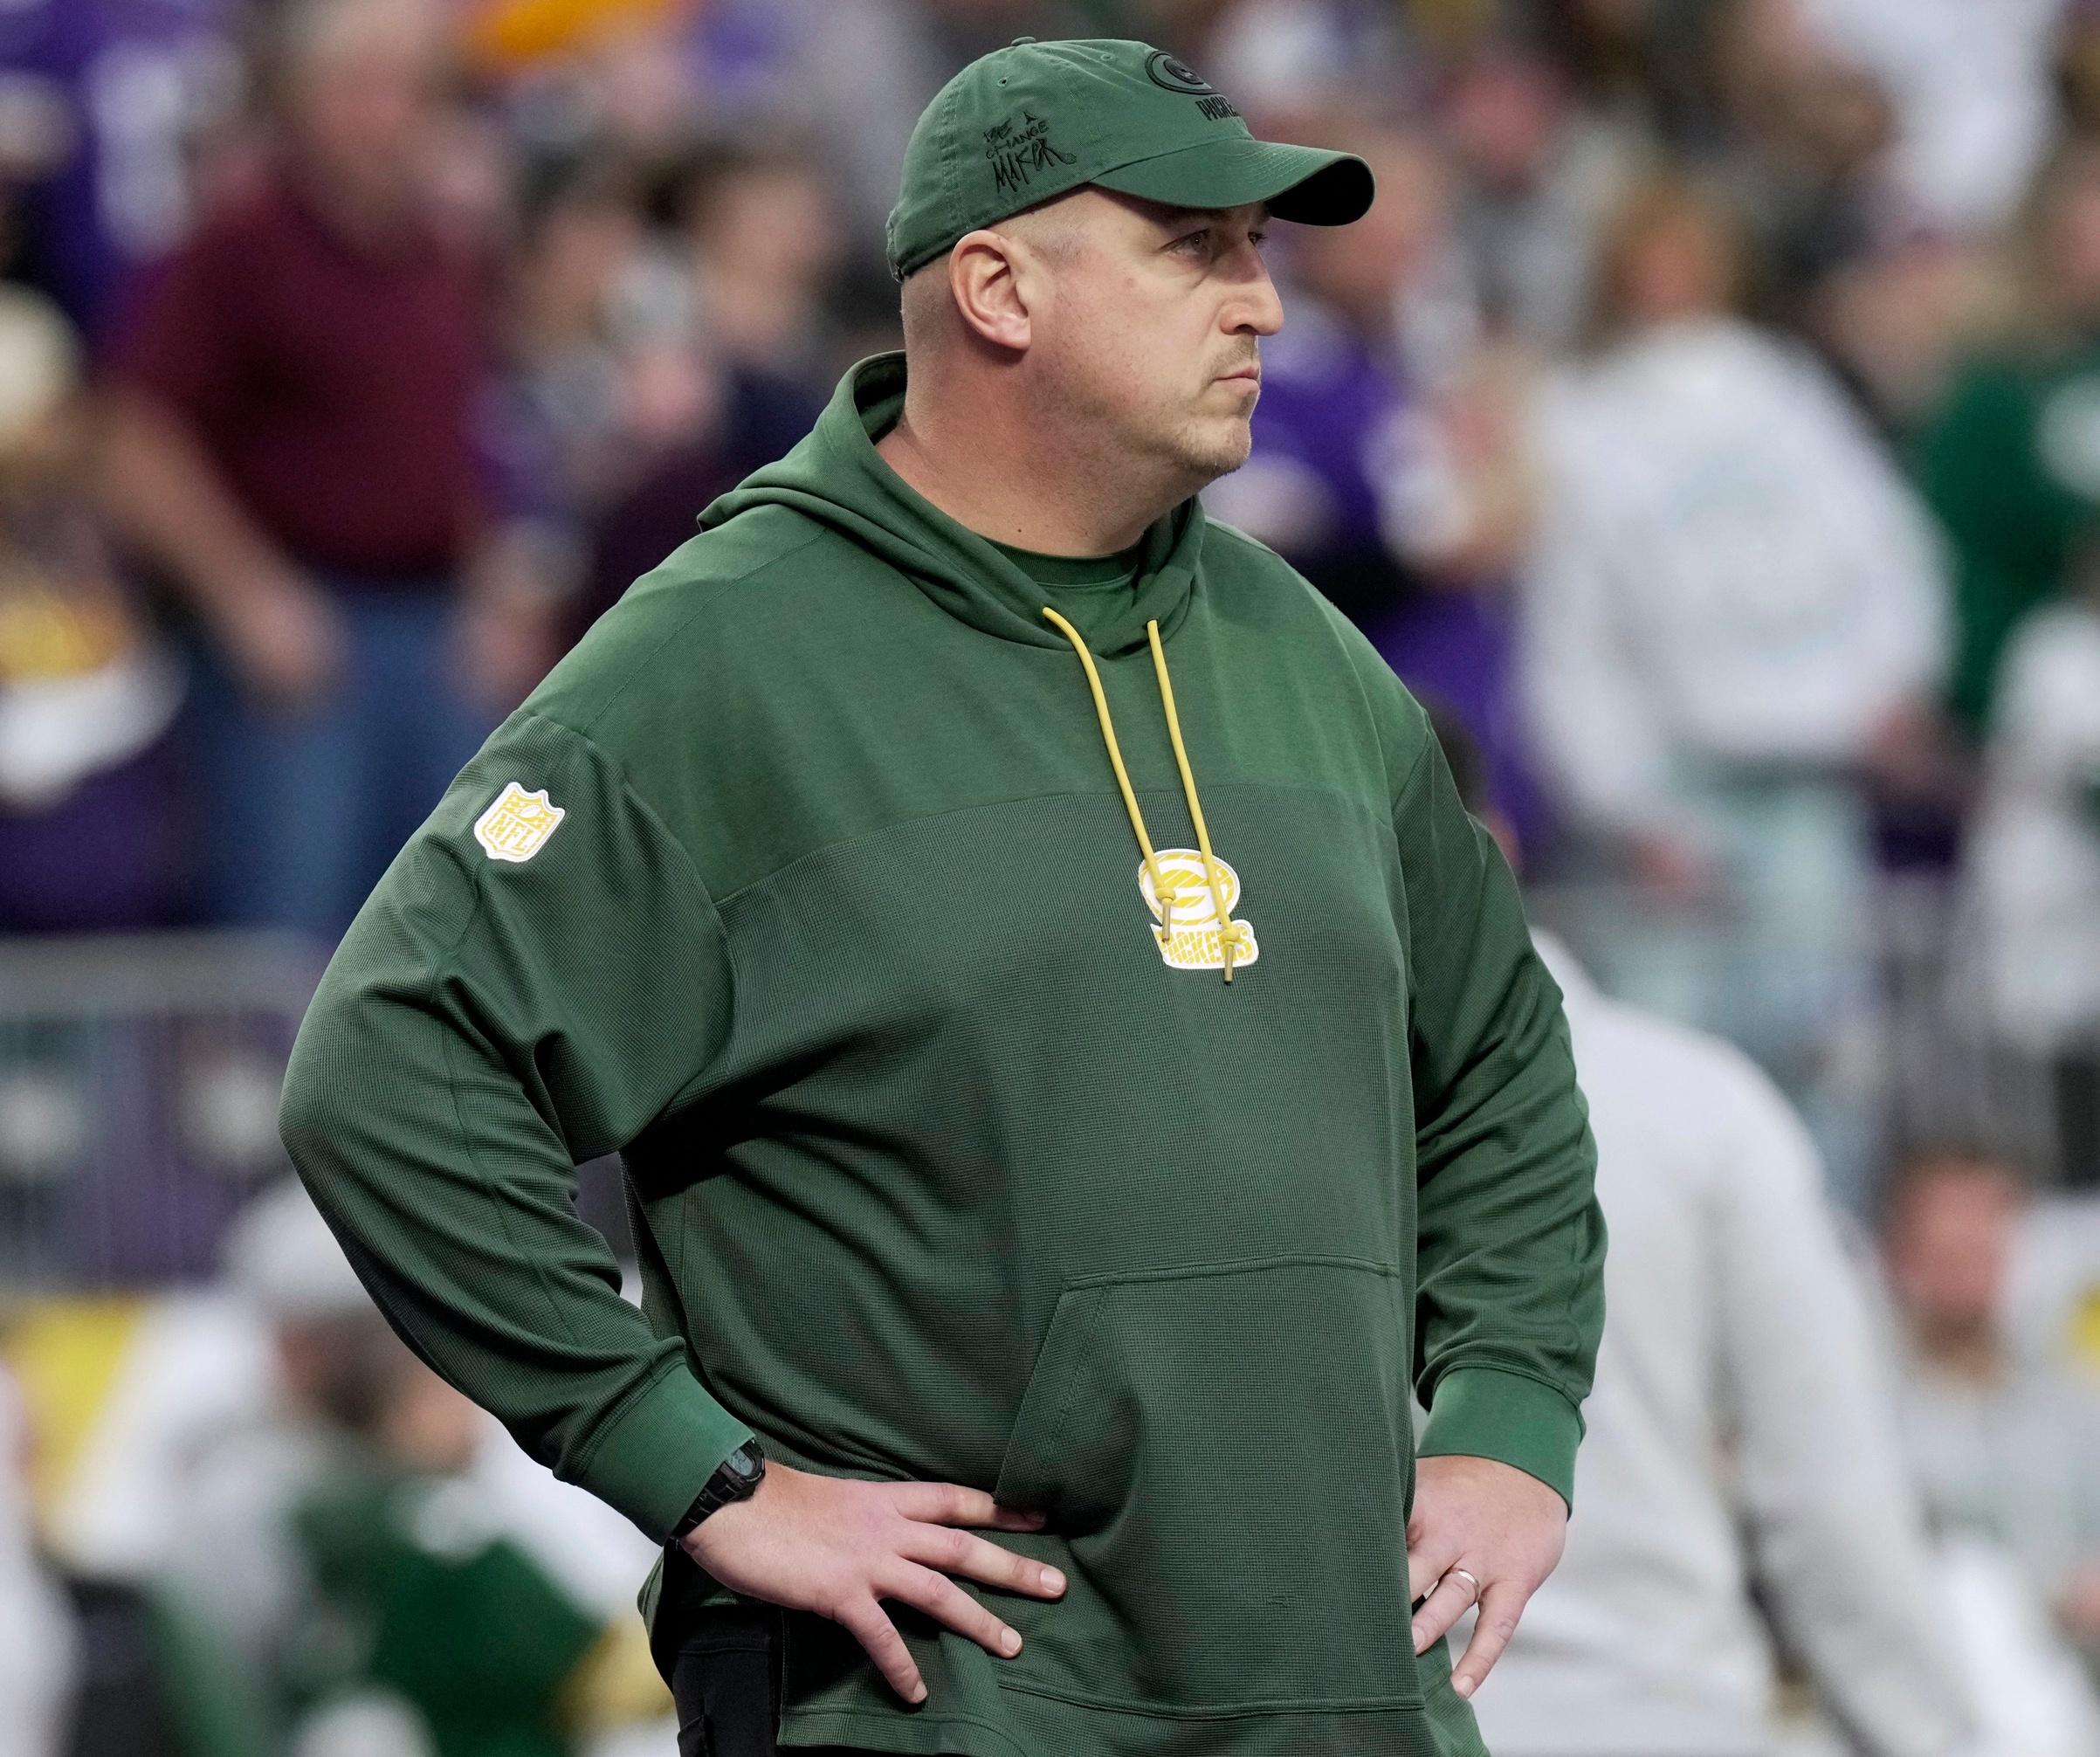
(1323, 486)
(118, 89)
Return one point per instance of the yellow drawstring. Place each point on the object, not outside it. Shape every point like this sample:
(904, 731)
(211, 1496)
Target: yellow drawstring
(1160, 887)
(1196, 808)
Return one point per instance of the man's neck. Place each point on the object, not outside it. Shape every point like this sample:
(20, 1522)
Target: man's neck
(996, 470)
(368, 222)
(1972, 1354)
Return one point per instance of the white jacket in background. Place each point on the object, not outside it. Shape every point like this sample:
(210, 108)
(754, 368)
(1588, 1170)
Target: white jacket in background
(1728, 569)
(1738, 1427)
(2034, 854)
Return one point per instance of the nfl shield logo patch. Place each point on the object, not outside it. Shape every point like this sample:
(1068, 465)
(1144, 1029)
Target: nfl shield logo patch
(516, 827)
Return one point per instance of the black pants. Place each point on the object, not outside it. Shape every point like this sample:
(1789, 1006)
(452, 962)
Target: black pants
(726, 1681)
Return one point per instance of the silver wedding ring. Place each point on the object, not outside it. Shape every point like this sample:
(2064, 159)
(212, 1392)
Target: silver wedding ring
(1468, 1579)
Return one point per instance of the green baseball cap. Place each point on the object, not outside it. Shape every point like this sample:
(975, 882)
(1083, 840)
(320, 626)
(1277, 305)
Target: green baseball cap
(1035, 120)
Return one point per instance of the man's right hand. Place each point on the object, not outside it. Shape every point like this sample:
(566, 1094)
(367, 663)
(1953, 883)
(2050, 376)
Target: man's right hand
(284, 637)
(840, 1547)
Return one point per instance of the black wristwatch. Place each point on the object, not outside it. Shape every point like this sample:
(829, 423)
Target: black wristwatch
(736, 1479)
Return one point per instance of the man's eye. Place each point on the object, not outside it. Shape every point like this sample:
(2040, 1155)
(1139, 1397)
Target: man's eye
(1259, 239)
(1196, 243)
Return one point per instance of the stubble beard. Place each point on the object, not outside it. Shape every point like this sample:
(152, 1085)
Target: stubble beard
(1181, 450)
(1208, 447)
(1206, 450)
(1181, 453)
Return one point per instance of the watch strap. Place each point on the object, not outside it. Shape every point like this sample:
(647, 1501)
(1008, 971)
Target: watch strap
(736, 1479)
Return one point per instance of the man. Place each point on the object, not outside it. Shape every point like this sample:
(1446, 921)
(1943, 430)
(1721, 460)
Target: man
(292, 447)
(1730, 623)
(2002, 1435)
(370, 1543)
(90, 767)
(1013, 1145)
(1740, 1432)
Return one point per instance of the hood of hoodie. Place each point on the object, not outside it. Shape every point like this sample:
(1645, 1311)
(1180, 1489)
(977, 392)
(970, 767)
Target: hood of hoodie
(836, 477)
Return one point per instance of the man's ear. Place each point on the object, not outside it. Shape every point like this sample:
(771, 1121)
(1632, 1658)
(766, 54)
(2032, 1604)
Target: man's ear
(984, 271)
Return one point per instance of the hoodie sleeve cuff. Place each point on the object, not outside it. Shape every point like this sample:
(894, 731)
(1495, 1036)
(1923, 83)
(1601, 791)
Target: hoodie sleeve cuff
(656, 1457)
(1483, 1414)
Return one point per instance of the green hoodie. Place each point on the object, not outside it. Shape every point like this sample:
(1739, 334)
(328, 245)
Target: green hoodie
(806, 883)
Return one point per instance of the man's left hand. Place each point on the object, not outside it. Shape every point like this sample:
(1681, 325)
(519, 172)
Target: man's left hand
(1493, 1521)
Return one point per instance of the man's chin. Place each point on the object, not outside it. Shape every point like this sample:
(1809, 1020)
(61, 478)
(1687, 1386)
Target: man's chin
(1214, 448)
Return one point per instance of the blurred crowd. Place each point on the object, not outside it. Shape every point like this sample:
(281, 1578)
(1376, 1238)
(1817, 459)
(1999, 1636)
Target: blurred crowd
(1706, 420)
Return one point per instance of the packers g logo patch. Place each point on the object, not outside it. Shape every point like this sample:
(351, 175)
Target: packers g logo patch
(1186, 923)
(1171, 75)
(516, 827)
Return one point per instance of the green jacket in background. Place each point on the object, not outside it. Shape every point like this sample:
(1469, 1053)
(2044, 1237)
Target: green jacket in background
(2013, 469)
(378, 1592)
(806, 884)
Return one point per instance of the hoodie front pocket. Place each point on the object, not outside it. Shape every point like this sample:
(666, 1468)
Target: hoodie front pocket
(1221, 1454)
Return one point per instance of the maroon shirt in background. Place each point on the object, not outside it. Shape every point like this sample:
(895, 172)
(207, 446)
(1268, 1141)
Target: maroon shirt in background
(333, 384)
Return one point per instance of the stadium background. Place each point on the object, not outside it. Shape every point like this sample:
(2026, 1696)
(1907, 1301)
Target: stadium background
(1707, 420)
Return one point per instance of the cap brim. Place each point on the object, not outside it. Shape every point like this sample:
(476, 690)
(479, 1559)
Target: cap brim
(1308, 184)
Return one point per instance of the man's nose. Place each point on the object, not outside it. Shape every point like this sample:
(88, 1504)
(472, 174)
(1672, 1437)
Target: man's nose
(1259, 308)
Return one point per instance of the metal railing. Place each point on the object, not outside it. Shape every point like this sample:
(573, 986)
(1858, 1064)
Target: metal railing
(139, 1083)
(140, 1074)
